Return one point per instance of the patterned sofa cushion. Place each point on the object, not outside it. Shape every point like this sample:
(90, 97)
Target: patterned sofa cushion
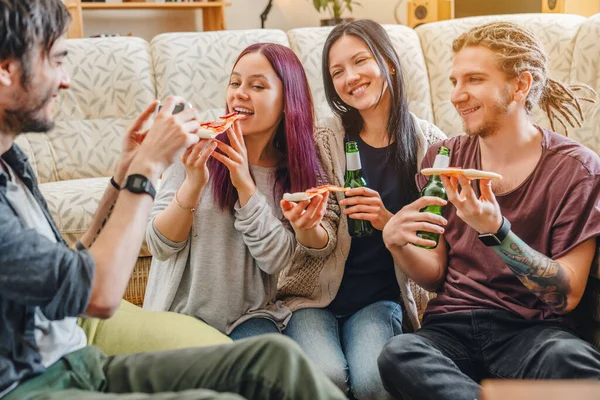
(73, 203)
(557, 33)
(111, 83)
(196, 66)
(586, 69)
(308, 43)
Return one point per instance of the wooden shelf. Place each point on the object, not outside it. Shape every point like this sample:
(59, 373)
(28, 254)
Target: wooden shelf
(213, 12)
(149, 5)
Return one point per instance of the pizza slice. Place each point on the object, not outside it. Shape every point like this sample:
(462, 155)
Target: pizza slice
(211, 129)
(312, 192)
(467, 173)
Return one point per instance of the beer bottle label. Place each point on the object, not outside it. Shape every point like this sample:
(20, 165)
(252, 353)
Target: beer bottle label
(353, 161)
(441, 161)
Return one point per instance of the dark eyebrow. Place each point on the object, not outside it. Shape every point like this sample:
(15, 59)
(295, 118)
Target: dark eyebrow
(61, 54)
(469, 74)
(253, 76)
(362, 52)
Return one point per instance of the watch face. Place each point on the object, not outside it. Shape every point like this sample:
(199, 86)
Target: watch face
(138, 182)
(490, 240)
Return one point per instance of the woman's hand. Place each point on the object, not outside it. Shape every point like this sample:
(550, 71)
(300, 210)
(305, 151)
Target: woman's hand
(305, 218)
(235, 158)
(194, 161)
(364, 203)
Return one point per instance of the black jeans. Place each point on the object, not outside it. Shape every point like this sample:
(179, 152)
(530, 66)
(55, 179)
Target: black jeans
(452, 353)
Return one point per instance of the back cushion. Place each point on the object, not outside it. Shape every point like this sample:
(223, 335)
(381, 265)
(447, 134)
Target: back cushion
(586, 69)
(556, 32)
(111, 83)
(196, 66)
(308, 44)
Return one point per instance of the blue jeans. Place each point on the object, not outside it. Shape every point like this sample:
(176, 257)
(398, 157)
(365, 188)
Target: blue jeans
(453, 352)
(346, 348)
(253, 327)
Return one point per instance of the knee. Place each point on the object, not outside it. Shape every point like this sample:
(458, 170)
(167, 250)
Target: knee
(338, 374)
(390, 358)
(568, 352)
(369, 388)
(279, 344)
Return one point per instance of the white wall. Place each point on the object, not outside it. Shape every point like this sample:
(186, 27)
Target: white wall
(242, 14)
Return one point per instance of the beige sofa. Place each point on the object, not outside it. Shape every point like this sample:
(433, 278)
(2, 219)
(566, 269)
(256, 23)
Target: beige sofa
(114, 79)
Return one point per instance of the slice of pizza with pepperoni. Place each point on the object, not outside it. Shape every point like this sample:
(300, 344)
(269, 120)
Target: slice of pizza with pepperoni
(211, 129)
(312, 192)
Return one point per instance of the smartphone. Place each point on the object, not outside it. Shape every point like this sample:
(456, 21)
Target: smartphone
(178, 108)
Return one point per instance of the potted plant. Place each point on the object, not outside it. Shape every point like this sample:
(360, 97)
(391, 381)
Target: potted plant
(335, 8)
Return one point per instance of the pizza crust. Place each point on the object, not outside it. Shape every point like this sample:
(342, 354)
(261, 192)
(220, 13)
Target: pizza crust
(467, 173)
(312, 192)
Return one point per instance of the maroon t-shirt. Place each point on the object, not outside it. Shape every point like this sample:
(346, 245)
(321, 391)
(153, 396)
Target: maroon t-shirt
(554, 210)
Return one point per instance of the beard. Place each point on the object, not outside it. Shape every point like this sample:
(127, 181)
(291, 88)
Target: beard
(29, 115)
(488, 128)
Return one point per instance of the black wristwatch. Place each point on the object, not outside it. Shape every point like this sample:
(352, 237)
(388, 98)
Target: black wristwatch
(496, 239)
(137, 184)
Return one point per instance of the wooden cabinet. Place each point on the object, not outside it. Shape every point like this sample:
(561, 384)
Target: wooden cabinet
(213, 12)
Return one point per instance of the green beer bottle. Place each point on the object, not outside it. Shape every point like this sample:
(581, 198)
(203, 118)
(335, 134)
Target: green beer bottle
(356, 227)
(435, 188)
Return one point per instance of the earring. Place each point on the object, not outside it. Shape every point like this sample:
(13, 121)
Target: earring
(393, 71)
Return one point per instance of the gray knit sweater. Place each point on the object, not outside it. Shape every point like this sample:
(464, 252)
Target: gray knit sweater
(226, 271)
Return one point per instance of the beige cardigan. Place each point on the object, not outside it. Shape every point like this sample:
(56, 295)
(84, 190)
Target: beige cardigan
(312, 282)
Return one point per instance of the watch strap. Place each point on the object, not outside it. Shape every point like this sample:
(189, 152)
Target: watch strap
(496, 239)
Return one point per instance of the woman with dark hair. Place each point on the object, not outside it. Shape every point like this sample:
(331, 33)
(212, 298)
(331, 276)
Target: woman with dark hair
(361, 295)
(217, 231)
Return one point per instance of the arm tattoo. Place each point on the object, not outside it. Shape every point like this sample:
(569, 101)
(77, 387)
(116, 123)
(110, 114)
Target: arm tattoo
(104, 221)
(540, 274)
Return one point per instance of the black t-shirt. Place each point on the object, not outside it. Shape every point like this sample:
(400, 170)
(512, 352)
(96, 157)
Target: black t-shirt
(369, 273)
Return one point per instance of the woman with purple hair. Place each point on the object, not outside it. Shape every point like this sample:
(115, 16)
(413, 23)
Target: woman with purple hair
(217, 230)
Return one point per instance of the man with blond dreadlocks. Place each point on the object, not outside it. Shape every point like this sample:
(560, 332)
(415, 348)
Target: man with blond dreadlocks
(503, 293)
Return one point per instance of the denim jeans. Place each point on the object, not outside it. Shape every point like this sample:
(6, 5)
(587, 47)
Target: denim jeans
(253, 327)
(267, 367)
(346, 348)
(452, 353)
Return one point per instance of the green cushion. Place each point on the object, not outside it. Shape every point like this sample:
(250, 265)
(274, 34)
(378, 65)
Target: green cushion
(134, 330)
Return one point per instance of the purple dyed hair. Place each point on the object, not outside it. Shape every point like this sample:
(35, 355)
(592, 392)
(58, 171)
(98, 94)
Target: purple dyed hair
(294, 135)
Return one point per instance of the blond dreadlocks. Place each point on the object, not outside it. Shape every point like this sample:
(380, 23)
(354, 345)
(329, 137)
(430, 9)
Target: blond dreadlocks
(519, 50)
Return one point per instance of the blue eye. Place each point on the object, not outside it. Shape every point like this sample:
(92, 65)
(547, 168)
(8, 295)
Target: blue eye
(234, 84)
(258, 87)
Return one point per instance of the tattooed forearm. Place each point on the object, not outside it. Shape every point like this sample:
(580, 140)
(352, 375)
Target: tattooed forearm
(543, 276)
(104, 221)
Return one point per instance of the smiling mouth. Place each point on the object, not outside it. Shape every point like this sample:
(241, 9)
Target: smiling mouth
(243, 111)
(360, 89)
(468, 111)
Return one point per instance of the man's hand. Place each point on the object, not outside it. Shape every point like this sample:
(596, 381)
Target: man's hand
(482, 214)
(169, 137)
(364, 203)
(402, 228)
(131, 142)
